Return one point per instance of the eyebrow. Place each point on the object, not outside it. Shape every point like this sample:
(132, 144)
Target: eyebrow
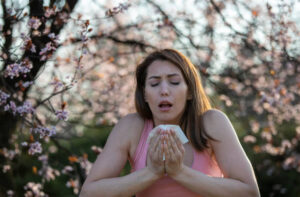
(158, 77)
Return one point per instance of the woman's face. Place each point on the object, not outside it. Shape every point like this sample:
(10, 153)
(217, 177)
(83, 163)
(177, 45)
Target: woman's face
(166, 92)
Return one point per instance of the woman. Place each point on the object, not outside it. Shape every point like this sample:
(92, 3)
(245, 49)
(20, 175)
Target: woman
(213, 163)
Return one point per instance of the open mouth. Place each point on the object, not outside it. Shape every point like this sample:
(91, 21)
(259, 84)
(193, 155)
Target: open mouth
(165, 106)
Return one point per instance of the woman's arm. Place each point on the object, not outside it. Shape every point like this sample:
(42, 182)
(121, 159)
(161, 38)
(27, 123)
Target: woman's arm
(103, 178)
(239, 176)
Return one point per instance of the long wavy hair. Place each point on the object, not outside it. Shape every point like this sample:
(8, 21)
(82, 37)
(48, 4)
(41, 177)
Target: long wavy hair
(191, 120)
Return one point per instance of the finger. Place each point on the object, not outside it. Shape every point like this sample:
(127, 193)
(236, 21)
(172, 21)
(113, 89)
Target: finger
(170, 148)
(157, 149)
(152, 146)
(177, 141)
(156, 133)
(176, 148)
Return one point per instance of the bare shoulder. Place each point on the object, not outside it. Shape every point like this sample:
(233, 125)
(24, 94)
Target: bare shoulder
(214, 122)
(131, 121)
(129, 125)
(212, 114)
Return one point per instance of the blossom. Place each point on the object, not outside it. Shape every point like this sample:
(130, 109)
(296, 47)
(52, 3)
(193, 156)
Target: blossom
(49, 48)
(28, 45)
(249, 139)
(25, 84)
(35, 148)
(54, 38)
(67, 169)
(120, 8)
(34, 23)
(43, 131)
(96, 149)
(10, 193)
(11, 106)
(57, 83)
(6, 168)
(25, 108)
(34, 189)
(3, 97)
(74, 184)
(62, 115)
(49, 173)
(15, 69)
(49, 12)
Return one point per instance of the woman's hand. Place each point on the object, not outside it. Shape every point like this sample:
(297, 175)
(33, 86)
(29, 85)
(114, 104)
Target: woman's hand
(155, 161)
(174, 153)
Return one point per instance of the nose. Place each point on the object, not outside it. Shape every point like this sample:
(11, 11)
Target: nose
(164, 89)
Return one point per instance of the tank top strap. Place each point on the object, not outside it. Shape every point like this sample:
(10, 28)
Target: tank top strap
(142, 146)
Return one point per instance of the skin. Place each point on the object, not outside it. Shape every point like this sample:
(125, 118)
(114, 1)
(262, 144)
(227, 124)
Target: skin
(165, 82)
(103, 180)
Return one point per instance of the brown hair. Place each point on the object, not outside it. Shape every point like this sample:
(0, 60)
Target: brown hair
(191, 120)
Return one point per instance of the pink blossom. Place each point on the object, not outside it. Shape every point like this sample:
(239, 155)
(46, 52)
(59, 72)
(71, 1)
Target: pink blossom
(3, 97)
(57, 83)
(25, 84)
(34, 23)
(49, 12)
(48, 49)
(10, 193)
(11, 106)
(43, 131)
(25, 108)
(249, 139)
(6, 168)
(15, 69)
(54, 38)
(67, 169)
(115, 10)
(34, 189)
(62, 115)
(35, 148)
(49, 173)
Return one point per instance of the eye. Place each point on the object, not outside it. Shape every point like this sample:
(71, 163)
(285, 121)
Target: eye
(154, 84)
(175, 83)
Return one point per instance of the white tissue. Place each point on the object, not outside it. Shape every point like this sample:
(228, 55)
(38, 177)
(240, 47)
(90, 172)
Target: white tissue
(179, 133)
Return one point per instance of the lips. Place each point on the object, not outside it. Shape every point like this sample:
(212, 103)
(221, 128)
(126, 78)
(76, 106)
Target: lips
(165, 106)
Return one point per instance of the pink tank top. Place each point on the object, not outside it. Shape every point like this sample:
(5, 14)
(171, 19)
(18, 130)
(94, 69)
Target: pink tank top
(167, 187)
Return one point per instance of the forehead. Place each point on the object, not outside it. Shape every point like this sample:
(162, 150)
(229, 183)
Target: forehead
(162, 67)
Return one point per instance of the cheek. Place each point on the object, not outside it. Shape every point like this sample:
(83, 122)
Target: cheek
(149, 96)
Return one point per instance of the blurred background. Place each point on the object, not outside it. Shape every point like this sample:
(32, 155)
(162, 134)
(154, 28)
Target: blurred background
(67, 76)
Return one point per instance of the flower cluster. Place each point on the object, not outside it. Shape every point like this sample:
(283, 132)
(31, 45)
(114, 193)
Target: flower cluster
(3, 97)
(49, 12)
(73, 184)
(28, 45)
(15, 69)
(47, 50)
(62, 115)
(9, 154)
(57, 83)
(120, 8)
(25, 84)
(21, 110)
(35, 147)
(34, 189)
(34, 23)
(47, 172)
(43, 131)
